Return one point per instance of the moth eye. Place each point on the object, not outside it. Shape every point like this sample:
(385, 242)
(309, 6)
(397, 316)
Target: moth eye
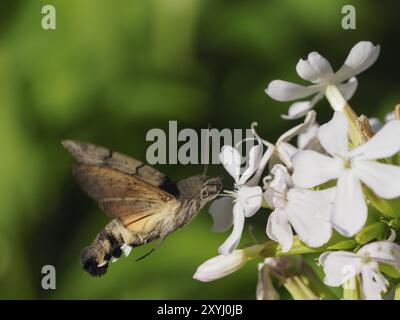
(205, 194)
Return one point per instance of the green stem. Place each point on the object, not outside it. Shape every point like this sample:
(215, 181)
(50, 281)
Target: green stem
(397, 292)
(298, 289)
(320, 289)
(351, 289)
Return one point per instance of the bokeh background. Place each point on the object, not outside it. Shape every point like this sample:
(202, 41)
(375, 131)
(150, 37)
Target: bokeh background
(111, 71)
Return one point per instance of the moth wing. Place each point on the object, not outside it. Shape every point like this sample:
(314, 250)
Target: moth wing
(138, 204)
(87, 153)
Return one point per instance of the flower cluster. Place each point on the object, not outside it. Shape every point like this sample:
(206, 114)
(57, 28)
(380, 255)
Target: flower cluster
(334, 194)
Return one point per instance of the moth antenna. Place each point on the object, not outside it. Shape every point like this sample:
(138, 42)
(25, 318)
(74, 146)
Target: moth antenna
(207, 151)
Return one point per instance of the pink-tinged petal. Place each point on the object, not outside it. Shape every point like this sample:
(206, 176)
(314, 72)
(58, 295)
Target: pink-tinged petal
(315, 68)
(348, 88)
(231, 160)
(360, 58)
(287, 91)
(250, 199)
(312, 168)
(382, 251)
(309, 214)
(350, 209)
(279, 229)
(220, 266)
(340, 266)
(254, 159)
(233, 240)
(373, 282)
(333, 135)
(383, 179)
(221, 211)
(383, 144)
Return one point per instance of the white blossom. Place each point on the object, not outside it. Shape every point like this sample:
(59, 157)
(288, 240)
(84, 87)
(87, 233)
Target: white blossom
(221, 266)
(308, 212)
(351, 168)
(243, 202)
(341, 266)
(319, 72)
(282, 151)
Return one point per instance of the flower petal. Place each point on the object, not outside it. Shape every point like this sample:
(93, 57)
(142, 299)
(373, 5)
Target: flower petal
(373, 282)
(382, 251)
(305, 139)
(233, 240)
(312, 168)
(302, 127)
(221, 212)
(309, 214)
(383, 144)
(287, 91)
(360, 58)
(285, 152)
(250, 199)
(333, 135)
(350, 210)
(383, 179)
(348, 88)
(315, 68)
(301, 108)
(340, 266)
(220, 266)
(279, 229)
(281, 180)
(231, 160)
(254, 158)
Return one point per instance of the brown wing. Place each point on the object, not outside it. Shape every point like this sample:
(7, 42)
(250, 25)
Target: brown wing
(124, 196)
(87, 153)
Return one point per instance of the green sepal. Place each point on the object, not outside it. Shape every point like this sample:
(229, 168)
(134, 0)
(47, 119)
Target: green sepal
(373, 231)
(389, 208)
(389, 270)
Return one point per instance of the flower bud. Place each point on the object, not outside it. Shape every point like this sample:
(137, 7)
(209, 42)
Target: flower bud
(221, 266)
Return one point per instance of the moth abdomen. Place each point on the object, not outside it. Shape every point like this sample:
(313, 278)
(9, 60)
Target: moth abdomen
(107, 245)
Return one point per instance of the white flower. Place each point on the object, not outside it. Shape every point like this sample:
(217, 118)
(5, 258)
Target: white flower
(306, 211)
(221, 266)
(340, 266)
(282, 151)
(350, 168)
(244, 201)
(317, 70)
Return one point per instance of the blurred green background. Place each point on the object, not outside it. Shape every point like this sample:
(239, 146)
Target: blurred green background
(111, 71)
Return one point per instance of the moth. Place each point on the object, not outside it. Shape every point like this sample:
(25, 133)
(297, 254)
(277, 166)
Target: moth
(144, 204)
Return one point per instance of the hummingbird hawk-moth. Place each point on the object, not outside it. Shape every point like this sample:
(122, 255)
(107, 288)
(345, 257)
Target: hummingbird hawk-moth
(144, 204)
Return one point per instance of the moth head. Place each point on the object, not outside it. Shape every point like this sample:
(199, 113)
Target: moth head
(211, 188)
